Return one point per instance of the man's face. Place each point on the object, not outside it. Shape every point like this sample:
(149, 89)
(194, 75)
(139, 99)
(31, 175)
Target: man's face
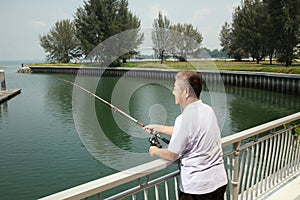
(177, 92)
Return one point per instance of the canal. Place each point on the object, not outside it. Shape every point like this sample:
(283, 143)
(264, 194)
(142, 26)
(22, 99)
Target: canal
(54, 136)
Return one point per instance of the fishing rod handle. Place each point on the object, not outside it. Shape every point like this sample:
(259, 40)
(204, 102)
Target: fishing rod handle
(140, 123)
(163, 138)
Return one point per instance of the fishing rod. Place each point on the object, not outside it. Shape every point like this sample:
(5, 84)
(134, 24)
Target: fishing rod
(153, 140)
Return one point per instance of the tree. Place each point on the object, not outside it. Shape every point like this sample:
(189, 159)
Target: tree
(186, 41)
(161, 35)
(99, 20)
(286, 14)
(226, 37)
(230, 43)
(89, 27)
(249, 28)
(181, 40)
(267, 27)
(273, 8)
(61, 43)
(217, 54)
(127, 20)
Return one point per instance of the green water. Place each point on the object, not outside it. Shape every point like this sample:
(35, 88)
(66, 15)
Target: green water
(48, 145)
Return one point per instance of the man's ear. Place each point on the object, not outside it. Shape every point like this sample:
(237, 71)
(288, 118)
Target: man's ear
(186, 92)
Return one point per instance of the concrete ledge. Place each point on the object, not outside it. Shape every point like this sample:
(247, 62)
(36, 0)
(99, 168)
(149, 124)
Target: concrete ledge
(8, 94)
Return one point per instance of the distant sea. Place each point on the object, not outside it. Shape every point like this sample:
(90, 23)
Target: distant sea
(15, 62)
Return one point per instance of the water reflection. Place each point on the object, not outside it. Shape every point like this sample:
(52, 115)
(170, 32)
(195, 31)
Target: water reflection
(3, 111)
(252, 107)
(59, 96)
(264, 96)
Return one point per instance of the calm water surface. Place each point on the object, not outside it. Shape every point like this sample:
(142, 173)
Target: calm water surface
(43, 149)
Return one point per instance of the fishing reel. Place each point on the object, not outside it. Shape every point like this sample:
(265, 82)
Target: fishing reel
(154, 140)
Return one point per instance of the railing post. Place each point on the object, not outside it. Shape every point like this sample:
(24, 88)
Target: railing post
(235, 178)
(2, 80)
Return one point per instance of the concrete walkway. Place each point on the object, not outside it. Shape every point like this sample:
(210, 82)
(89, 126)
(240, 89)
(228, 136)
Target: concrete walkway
(288, 191)
(7, 94)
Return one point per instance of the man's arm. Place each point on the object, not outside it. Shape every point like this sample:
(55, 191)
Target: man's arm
(168, 130)
(163, 153)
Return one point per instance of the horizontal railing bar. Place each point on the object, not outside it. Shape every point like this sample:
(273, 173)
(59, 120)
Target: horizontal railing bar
(245, 146)
(145, 186)
(259, 140)
(231, 139)
(229, 153)
(111, 181)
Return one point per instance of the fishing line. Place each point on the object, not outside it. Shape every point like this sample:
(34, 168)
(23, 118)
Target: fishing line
(153, 140)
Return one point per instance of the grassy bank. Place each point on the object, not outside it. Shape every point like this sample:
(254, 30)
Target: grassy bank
(221, 65)
(57, 64)
(206, 65)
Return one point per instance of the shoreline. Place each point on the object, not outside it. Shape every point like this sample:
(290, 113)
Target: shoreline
(199, 64)
(278, 82)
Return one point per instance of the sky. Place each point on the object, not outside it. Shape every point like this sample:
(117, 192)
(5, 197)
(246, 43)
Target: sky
(22, 22)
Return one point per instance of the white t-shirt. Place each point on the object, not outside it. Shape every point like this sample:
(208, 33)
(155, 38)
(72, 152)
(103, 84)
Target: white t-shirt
(196, 138)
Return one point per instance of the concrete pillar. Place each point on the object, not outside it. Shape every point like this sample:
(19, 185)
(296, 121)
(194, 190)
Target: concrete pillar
(2, 80)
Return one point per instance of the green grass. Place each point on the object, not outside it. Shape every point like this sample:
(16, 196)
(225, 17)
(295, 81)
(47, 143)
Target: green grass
(221, 65)
(56, 64)
(204, 65)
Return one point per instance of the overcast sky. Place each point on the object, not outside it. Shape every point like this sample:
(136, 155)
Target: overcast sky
(21, 22)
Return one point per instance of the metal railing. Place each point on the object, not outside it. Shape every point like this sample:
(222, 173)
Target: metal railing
(257, 160)
(262, 158)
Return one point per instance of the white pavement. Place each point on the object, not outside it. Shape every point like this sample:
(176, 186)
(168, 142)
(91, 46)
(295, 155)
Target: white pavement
(288, 191)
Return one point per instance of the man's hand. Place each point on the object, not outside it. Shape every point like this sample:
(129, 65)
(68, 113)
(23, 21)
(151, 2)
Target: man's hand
(152, 150)
(153, 128)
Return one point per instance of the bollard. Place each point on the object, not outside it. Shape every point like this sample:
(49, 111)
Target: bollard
(2, 80)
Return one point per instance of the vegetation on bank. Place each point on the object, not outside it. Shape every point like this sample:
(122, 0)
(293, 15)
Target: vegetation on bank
(260, 29)
(204, 65)
(221, 65)
(57, 64)
(93, 23)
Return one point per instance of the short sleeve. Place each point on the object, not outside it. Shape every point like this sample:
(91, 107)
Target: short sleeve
(178, 140)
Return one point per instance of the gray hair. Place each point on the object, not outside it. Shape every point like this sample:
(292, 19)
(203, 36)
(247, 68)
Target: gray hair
(191, 80)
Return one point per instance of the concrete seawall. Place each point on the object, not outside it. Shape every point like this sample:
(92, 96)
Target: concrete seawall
(283, 83)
